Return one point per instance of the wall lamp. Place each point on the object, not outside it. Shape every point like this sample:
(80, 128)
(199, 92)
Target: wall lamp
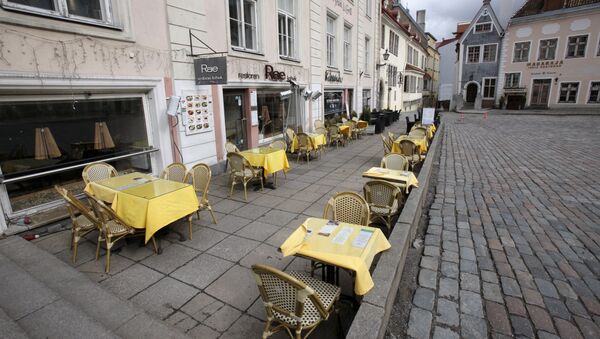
(386, 56)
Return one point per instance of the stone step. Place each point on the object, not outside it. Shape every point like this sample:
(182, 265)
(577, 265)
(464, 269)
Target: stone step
(10, 328)
(35, 311)
(119, 316)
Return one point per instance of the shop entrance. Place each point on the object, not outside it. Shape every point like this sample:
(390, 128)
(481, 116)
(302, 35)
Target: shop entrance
(471, 93)
(235, 120)
(540, 93)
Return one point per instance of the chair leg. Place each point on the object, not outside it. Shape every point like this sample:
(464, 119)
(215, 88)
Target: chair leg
(275, 179)
(74, 243)
(108, 246)
(190, 225)
(98, 245)
(154, 245)
(231, 191)
(245, 194)
(209, 208)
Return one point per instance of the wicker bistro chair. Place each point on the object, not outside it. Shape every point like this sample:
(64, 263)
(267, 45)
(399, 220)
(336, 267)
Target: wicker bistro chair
(335, 136)
(294, 301)
(291, 135)
(395, 161)
(361, 128)
(242, 172)
(231, 147)
(384, 201)
(112, 228)
(347, 207)
(387, 147)
(323, 131)
(83, 223)
(411, 151)
(304, 146)
(419, 131)
(97, 171)
(174, 172)
(279, 144)
(200, 176)
(319, 124)
(351, 124)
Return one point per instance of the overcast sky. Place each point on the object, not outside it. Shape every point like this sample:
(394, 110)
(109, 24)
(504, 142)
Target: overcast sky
(443, 15)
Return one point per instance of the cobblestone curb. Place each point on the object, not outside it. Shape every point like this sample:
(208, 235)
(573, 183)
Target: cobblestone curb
(374, 312)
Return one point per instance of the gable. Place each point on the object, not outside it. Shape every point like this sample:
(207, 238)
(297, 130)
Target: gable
(485, 14)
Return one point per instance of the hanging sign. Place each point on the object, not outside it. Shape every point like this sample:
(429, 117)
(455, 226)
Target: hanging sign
(210, 71)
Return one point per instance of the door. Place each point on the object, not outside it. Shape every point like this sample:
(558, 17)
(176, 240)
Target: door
(235, 121)
(540, 92)
(471, 93)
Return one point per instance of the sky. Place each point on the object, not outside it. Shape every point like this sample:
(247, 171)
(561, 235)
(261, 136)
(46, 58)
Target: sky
(443, 15)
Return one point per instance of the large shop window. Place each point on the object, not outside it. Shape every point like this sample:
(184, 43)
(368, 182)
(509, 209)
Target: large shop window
(50, 137)
(272, 111)
(89, 11)
(333, 103)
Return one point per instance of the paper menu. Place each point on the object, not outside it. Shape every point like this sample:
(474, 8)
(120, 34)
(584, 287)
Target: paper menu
(328, 228)
(342, 236)
(363, 238)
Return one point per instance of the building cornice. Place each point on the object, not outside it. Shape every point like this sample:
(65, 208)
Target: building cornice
(557, 14)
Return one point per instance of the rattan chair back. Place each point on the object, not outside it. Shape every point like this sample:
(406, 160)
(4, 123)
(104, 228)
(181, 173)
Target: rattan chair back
(333, 131)
(279, 144)
(303, 141)
(382, 194)
(230, 147)
(347, 207)
(104, 214)
(321, 130)
(174, 172)
(238, 163)
(97, 171)
(387, 147)
(319, 123)
(409, 148)
(395, 162)
(290, 134)
(200, 176)
(75, 205)
(419, 131)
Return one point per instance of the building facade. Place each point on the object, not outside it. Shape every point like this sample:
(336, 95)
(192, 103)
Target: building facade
(553, 56)
(480, 47)
(431, 81)
(80, 81)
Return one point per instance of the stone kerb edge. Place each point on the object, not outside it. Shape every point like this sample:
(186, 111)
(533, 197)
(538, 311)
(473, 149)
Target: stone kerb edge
(373, 315)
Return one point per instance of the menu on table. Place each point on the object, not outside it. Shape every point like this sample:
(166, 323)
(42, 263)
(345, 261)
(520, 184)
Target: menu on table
(363, 238)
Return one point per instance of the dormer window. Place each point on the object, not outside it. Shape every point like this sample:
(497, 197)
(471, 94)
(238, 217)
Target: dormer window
(483, 27)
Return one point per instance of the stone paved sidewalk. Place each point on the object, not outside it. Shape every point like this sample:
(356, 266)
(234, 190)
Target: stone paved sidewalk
(204, 286)
(513, 242)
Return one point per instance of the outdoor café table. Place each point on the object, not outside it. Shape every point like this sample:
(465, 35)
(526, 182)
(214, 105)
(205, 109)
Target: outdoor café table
(342, 248)
(317, 140)
(403, 179)
(421, 142)
(145, 202)
(271, 159)
(346, 131)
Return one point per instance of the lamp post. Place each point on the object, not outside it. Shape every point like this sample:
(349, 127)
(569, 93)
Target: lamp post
(386, 56)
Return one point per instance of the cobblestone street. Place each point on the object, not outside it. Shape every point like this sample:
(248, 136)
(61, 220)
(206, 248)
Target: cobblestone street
(513, 242)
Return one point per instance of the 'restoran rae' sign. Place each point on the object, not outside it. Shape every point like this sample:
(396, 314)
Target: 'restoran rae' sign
(211, 71)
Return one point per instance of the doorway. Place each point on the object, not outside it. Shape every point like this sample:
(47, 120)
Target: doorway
(235, 120)
(472, 92)
(540, 92)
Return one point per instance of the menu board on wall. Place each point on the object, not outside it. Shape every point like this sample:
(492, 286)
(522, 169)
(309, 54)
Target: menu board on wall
(197, 112)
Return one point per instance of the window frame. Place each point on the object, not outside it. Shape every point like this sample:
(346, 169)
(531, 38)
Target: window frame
(242, 21)
(475, 31)
(483, 87)
(347, 50)
(483, 53)
(587, 42)
(61, 12)
(367, 60)
(590, 93)
(368, 9)
(294, 37)
(330, 41)
(512, 73)
(468, 59)
(514, 60)
(539, 53)
(558, 101)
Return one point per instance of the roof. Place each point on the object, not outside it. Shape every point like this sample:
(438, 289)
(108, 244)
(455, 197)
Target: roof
(445, 42)
(490, 11)
(416, 69)
(431, 35)
(533, 7)
(462, 27)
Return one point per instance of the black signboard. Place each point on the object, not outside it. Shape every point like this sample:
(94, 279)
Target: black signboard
(211, 71)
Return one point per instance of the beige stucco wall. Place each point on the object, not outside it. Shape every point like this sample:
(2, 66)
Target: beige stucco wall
(583, 70)
(392, 99)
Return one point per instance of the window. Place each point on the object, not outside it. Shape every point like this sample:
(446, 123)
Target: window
(368, 8)
(89, 11)
(393, 43)
(547, 49)
(521, 52)
(576, 46)
(271, 110)
(330, 41)
(347, 47)
(489, 88)
(568, 92)
(406, 83)
(392, 76)
(512, 80)
(287, 28)
(473, 54)
(333, 102)
(483, 27)
(409, 55)
(366, 97)
(415, 57)
(594, 93)
(367, 55)
(382, 42)
(242, 24)
(489, 53)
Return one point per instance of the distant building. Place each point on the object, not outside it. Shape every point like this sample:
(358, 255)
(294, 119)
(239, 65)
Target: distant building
(449, 68)
(552, 57)
(480, 47)
(431, 81)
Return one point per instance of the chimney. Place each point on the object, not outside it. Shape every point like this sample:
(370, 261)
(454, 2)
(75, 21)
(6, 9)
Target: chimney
(487, 2)
(552, 5)
(421, 19)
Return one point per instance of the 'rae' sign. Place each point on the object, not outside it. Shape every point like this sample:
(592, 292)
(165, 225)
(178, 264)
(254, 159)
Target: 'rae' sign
(211, 71)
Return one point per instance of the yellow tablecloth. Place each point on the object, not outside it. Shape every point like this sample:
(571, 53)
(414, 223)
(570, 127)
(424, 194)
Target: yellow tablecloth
(362, 124)
(346, 131)
(271, 159)
(316, 138)
(421, 142)
(323, 249)
(403, 179)
(430, 129)
(145, 202)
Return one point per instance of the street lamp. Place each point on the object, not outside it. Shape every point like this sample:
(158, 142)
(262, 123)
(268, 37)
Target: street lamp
(386, 56)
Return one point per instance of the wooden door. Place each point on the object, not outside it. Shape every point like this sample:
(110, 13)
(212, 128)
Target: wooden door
(540, 93)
